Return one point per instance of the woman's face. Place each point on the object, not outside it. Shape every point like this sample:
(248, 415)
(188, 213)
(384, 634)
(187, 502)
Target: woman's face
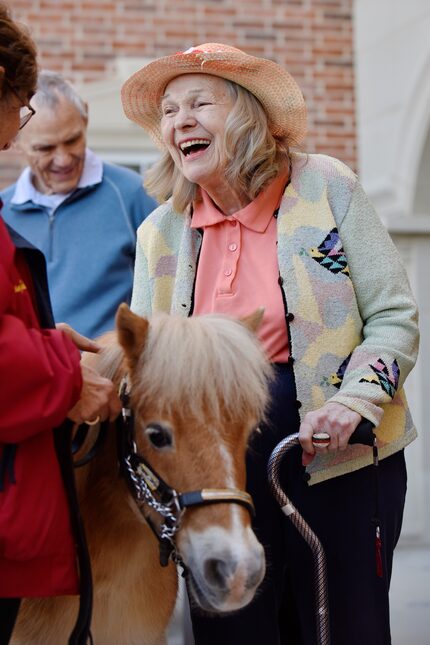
(10, 108)
(194, 111)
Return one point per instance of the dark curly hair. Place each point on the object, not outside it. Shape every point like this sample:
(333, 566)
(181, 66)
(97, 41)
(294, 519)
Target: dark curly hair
(17, 56)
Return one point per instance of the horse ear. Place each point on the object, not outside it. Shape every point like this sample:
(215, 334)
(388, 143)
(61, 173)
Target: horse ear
(254, 320)
(132, 332)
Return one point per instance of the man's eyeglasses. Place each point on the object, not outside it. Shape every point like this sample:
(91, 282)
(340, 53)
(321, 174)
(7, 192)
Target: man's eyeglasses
(25, 112)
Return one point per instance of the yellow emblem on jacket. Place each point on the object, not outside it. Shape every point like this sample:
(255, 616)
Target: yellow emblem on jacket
(21, 286)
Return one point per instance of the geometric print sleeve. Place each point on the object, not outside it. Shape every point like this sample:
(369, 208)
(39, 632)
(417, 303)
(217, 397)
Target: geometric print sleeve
(377, 367)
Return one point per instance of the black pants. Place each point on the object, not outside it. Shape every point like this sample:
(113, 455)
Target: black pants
(9, 608)
(340, 512)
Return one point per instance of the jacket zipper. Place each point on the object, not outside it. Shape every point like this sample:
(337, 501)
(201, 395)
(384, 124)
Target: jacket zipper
(51, 218)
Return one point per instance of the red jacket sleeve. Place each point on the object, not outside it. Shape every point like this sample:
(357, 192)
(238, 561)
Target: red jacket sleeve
(40, 376)
(41, 379)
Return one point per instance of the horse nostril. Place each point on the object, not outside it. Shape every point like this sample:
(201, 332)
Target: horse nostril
(217, 571)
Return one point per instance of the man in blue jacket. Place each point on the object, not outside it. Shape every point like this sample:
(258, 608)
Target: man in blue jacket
(81, 212)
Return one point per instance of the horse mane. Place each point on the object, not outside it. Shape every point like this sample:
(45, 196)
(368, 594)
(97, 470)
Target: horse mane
(110, 361)
(210, 358)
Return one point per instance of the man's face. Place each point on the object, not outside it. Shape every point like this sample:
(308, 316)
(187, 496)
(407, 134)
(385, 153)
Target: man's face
(54, 144)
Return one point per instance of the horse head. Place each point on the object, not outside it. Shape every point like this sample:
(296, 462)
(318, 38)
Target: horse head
(198, 388)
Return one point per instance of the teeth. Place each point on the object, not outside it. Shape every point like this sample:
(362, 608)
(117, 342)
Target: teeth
(193, 142)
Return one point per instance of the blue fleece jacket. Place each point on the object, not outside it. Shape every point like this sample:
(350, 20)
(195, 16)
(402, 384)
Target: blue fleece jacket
(89, 244)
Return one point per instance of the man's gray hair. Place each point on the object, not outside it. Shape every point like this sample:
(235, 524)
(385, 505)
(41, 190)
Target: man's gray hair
(51, 86)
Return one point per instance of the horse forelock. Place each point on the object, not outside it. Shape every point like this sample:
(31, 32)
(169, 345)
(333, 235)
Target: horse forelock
(211, 366)
(111, 361)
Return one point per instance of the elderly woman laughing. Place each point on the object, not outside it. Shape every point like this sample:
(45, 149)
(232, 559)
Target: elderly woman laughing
(245, 222)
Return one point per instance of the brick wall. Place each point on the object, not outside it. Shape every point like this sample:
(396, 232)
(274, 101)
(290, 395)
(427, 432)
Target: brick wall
(312, 38)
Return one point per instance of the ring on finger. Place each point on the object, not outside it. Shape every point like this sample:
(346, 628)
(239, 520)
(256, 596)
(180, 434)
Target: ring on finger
(320, 439)
(93, 422)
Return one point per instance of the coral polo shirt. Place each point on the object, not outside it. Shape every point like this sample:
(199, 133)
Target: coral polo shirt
(238, 265)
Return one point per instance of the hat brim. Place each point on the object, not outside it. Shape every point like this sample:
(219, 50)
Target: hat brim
(273, 86)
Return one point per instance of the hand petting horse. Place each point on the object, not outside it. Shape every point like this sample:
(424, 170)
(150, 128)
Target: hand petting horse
(196, 388)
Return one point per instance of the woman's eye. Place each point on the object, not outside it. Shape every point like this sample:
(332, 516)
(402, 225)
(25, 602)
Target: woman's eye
(159, 436)
(167, 110)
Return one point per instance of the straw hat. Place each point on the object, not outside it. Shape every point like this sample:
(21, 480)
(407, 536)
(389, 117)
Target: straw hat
(275, 88)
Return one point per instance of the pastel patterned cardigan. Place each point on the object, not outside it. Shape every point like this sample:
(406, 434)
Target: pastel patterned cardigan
(354, 336)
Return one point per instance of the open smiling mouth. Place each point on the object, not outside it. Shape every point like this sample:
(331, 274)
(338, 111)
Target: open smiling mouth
(63, 171)
(193, 145)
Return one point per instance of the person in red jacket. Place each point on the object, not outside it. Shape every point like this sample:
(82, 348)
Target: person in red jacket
(41, 384)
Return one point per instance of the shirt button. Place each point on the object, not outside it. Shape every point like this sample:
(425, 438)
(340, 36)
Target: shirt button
(233, 222)
(232, 247)
(227, 271)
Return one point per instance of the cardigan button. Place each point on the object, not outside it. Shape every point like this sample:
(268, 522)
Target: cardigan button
(291, 360)
(298, 404)
(289, 317)
(280, 281)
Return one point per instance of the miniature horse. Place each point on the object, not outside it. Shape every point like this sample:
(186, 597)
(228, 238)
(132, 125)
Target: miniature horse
(198, 386)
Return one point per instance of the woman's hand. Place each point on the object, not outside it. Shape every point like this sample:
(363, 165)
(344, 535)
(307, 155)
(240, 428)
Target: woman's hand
(99, 399)
(82, 342)
(338, 421)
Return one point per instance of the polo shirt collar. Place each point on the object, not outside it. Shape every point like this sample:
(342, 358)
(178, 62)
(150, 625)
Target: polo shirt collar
(255, 216)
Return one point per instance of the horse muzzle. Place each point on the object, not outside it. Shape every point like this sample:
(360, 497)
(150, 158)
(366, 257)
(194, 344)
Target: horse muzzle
(224, 571)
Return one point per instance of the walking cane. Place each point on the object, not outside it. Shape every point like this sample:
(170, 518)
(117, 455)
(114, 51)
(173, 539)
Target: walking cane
(363, 434)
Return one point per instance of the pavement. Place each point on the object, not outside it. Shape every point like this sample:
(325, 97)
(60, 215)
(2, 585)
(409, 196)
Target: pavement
(410, 596)
(409, 599)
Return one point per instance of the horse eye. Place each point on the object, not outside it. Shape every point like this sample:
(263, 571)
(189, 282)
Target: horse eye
(159, 436)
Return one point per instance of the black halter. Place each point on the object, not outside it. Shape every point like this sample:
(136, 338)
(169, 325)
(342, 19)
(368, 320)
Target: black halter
(148, 489)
